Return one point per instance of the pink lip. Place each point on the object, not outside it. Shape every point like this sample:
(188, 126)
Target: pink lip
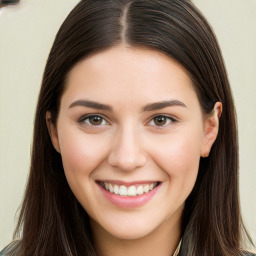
(129, 201)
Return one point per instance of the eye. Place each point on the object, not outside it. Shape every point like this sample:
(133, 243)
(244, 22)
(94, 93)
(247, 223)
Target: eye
(94, 120)
(161, 121)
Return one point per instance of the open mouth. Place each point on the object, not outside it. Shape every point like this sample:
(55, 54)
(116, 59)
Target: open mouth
(129, 191)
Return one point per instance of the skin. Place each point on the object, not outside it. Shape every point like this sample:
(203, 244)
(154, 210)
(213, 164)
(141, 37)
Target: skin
(129, 145)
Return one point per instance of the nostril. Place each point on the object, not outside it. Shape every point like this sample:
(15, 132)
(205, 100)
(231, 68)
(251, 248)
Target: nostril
(126, 162)
(127, 152)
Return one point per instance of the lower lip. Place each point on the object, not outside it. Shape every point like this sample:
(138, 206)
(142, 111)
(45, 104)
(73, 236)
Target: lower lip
(129, 201)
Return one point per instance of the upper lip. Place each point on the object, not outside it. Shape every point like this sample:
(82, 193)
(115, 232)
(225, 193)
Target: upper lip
(129, 183)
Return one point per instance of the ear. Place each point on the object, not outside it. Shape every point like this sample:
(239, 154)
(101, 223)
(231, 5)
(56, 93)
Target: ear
(211, 129)
(52, 129)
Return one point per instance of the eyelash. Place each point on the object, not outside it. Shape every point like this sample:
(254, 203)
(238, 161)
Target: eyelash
(167, 117)
(85, 119)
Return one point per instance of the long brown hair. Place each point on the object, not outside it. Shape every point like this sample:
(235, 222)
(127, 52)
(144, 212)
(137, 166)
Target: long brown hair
(52, 222)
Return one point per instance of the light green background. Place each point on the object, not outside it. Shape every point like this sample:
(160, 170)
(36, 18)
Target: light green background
(26, 35)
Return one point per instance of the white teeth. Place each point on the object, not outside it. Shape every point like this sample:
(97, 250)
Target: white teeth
(140, 190)
(132, 191)
(146, 189)
(129, 191)
(116, 190)
(110, 188)
(123, 191)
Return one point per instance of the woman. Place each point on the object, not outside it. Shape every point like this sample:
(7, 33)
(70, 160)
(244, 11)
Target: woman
(135, 144)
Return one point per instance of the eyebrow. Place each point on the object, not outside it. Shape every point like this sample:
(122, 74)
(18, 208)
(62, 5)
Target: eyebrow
(91, 104)
(148, 107)
(163, 104)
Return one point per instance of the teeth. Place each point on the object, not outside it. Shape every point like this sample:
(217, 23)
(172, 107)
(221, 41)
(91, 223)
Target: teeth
(110, 188)
(140, 190)
(128, 191)
(123, 191)
(132, 191)
(146, 189)
(116, 190)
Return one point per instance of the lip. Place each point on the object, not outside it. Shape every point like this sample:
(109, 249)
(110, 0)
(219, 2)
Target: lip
(129, 201)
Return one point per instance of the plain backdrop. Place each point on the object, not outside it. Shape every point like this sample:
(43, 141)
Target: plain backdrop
(27, 32)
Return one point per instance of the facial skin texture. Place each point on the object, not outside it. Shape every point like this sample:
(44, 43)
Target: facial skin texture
(128, 146)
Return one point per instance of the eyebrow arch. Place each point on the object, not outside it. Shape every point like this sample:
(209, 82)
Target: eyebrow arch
(91, 104)
(163, 104)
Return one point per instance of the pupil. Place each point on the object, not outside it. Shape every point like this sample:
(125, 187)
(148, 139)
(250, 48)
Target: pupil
(160, 120)
(95, 120)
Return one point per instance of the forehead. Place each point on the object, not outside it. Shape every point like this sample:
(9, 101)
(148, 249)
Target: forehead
(124, 73)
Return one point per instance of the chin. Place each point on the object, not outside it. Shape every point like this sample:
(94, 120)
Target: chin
(130, 234)
(127, 227)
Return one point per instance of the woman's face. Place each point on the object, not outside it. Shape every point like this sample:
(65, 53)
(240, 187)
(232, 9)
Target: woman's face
(131, 132)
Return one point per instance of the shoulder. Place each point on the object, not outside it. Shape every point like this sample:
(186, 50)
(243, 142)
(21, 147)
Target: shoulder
(11, 249)
(249, 254)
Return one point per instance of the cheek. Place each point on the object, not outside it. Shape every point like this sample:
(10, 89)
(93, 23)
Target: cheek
(81, 153)
(179, 156)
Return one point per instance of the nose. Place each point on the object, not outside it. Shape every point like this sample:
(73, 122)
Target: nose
(127, 152)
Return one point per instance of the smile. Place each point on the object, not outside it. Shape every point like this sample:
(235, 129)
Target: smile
(129, 195)
(130, 191)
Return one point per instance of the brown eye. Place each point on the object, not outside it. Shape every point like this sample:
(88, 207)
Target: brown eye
(160, 120)
(94, 120)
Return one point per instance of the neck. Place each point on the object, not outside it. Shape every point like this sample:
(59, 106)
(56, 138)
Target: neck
(162, 241)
